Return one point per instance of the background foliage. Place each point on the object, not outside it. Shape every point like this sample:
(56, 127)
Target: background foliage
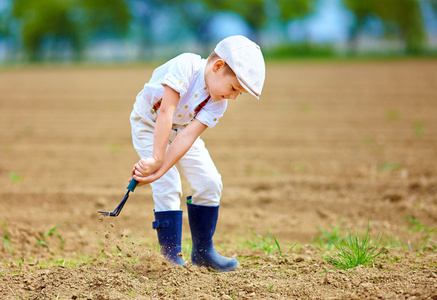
(62, 29)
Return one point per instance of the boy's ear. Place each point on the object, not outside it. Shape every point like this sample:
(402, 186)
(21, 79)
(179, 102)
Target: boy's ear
(218, 64)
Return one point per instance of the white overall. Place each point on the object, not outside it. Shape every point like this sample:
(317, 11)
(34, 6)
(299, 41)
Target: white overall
(196, 166)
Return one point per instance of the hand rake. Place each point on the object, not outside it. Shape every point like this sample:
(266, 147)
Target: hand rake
(130, 188)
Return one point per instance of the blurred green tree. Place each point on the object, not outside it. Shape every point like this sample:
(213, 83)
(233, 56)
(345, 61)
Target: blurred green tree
(103, 17)
(432, 4)
(4, 21)
(47, 19)
(67, 22)
(258, 12)
(402, 18)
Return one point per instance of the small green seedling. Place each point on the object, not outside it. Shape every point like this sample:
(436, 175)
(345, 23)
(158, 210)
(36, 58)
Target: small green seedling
(417, 226)
(306, 108)
(6, 240)
(269, 245)
(393, 114)
(419, 129)
(52, 231)
(329, 237)
(428, 244)
(14, 177)
(115, 148)
(390, 166)
(186, 248)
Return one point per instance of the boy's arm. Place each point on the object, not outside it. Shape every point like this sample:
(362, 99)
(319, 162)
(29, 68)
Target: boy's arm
(180, 145)
(147, 166)
(164, 123)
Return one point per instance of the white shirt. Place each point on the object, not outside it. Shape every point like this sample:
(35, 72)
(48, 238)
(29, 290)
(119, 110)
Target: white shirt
(186, 75)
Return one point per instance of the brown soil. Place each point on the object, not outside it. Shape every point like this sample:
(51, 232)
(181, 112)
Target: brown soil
(330, 144)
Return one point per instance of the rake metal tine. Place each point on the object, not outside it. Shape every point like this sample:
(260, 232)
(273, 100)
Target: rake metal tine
(110, 213)
(130, 188)
(105, 213)
(118, 209)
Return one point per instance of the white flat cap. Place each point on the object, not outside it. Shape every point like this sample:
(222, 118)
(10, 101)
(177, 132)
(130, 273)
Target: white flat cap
(245, 58)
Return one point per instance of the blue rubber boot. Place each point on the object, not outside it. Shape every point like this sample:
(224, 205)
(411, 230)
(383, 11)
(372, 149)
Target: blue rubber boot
(203, 221)
(168, 225)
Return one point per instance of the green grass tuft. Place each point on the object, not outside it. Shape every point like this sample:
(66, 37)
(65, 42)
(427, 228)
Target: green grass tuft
(353, 251)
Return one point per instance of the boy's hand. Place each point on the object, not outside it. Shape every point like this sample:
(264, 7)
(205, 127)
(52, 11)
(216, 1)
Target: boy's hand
(147, 179)
(145, 167)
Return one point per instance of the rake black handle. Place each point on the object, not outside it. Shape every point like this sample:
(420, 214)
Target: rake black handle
(130, 188)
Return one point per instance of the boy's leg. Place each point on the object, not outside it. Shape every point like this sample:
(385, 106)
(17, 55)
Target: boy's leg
(168, 225)
(203, 222)
(167, 192)
(200, 171)
(203, 207)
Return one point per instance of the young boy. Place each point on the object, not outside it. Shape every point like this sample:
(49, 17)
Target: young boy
(185, 96)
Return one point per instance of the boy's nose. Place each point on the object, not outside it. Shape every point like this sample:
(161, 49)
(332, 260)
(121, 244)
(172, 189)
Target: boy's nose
(233, 96)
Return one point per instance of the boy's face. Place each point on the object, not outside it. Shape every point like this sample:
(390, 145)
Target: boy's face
(222, 82)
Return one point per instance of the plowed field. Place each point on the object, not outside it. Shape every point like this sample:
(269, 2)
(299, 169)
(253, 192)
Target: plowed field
(332, 147)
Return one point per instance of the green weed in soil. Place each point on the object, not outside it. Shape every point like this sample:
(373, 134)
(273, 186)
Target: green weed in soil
(353, 251)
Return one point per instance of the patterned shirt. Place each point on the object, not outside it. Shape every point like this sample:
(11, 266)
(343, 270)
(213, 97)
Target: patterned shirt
(186, 75)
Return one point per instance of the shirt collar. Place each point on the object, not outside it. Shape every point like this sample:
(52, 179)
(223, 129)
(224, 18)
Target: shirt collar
(202, 83)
